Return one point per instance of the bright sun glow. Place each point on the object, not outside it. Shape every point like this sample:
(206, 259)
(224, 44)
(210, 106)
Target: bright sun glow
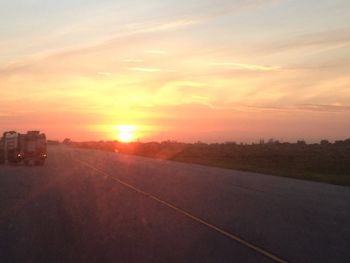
(125, 132)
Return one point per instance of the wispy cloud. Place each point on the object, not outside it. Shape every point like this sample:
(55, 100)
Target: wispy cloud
(156, 51)
(132, 60)
(323, 107)
(203, 100)
(241, 66)
(317, 41)
(87, 31)
(331, 108)
(151, 70)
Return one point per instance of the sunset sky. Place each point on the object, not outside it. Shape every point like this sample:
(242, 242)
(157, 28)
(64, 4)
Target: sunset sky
(223, 70)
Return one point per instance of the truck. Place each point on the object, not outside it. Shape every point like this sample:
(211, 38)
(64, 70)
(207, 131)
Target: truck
(28, 148)
(33, 148)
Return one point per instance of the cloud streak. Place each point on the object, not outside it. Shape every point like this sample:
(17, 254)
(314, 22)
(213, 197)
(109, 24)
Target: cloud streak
(151, 70)
(77, 34)
(316, 41)
(241, 66)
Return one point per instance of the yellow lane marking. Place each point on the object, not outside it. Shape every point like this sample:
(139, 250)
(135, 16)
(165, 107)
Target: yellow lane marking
(194, 218)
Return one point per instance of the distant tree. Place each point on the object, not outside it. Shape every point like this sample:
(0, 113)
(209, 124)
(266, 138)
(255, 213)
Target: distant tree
(53, 142)
(301, 142)
(67, 141)
(273, 141)
(324, 142)
(347, 141)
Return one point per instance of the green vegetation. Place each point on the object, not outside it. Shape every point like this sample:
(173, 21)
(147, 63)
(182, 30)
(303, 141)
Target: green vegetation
(323, 162)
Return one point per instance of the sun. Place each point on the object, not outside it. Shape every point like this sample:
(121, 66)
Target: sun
(125, 133)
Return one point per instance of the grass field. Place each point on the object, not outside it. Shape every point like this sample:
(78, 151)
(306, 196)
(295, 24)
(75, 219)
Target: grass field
(322, 162)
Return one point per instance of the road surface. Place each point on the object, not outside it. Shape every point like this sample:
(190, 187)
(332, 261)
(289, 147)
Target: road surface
(94, 206)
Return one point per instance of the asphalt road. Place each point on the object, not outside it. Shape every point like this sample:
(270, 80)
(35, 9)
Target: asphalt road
(92, 206)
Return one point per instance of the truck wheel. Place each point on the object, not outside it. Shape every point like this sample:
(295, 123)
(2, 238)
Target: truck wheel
(26, 162)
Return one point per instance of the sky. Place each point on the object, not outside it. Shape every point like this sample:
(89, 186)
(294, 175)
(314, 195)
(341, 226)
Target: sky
(212, 71)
